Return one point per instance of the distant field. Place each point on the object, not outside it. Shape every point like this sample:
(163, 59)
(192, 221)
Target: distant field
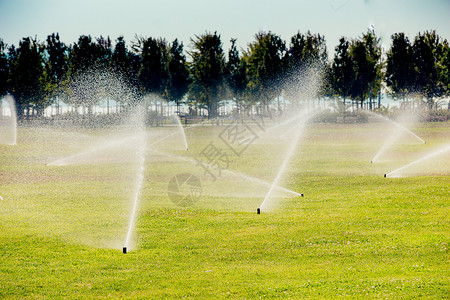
(354, 233)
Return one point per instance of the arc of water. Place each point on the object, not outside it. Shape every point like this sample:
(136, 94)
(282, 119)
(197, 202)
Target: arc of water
(141, 153)
(263, 182)
(286, 122)
(393, 136)
(63, 161)
(233, 173)
(137, 192)
(435, 153)
(162, 139)
(287, 158)
(174, 133)
(177, 118)
(407, 130)
(388, 142)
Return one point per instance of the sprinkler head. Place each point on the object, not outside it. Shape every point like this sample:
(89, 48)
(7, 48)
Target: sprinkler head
(371, 162)
(124, 250)
(301, 194)
(384, 175)
(258, 211)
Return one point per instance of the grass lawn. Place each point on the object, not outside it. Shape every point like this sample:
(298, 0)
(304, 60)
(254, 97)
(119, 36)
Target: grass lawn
(354, 234)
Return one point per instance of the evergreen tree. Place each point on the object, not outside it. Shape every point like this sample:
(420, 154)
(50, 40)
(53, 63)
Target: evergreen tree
(26, 78)
(400, 66)
(126, 63)
(90, 63)
(103, 51)
(120, 58)
(306, 50)
(306, 55)
(428, 53)
(4, 70)
(56, 66)
(264, 60)
(366, 53)
(207, 71)
(236, 74)
(83, 55)
(342, 70)
(154, 73)
(444, 68)
(179, 74)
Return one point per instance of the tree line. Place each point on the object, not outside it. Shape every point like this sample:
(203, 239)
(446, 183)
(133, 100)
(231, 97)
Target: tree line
(36, 73)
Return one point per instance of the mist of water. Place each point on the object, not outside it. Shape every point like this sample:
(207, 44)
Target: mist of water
(394, 136)
(183, 134)
(301, 86)
(137, 190)
(235, 174)
(92, 154)
(298, 131)
(437, 152)
(8, 121)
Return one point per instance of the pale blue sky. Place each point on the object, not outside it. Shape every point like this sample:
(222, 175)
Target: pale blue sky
(240, 19)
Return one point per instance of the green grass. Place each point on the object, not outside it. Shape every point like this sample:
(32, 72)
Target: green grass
(355, 234)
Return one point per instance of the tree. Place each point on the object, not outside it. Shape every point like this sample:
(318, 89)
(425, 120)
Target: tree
(236, 74)
(207, 71)
(126, 64)
(178, 74)
(428, 53)
(305, 59)
(264, 60)
(4, 69)
(84, 58)
(84, 55)
(56, 65)
(120, 60)
(444, 68)
(154, 73)
(342, 70)
(305, 50)
(366, 53)
(104, 51)
(400, 67)
(26, 78)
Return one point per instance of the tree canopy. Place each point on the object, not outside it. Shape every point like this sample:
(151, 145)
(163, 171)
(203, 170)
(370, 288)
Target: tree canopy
(35, 73)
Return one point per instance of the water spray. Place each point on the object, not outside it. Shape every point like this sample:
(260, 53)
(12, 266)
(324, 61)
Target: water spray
(183, 134)
(232, 173)
(395, 134)
(290, 151)
(439, 151)
(137, 189)
(9, 137)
